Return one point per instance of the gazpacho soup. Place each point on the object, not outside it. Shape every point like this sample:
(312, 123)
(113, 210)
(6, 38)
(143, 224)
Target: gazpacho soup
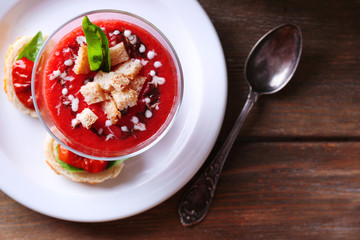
(110, 111)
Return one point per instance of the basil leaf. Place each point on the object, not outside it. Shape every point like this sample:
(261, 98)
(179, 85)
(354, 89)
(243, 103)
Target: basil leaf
(113, 163)
(70, 168)
(98, 46)
(31, 50)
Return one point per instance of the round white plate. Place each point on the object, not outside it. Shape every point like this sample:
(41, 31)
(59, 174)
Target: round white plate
(147, 179)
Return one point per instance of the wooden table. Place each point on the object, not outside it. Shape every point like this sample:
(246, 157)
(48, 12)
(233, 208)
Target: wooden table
(294, 172)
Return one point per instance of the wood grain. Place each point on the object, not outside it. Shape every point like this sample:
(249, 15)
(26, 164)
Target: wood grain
(294, 172)
(267, 191)
(322, 98)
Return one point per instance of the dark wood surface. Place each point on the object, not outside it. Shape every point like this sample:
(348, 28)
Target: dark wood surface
(294, 172)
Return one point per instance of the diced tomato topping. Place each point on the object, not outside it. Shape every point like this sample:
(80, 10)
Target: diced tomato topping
(89, 165)
(94, 166)
(21, 74)
(69, 157)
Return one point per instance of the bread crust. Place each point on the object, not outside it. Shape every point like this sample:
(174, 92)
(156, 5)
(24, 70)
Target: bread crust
(84, 177)
(11, 55)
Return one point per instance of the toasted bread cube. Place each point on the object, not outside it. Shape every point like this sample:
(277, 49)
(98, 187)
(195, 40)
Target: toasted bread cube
(130, 68)
(125, 98)
(137, 84)
(82, 65)
(104, 79)
(107, 96)
(110, 108)
(118, 54)
(92, 93)
(119, 81)
(87, 118)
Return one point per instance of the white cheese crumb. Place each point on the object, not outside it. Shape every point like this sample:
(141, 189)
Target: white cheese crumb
(137, 61)
(142, 48)
(100, 131)
(75, 105)
(116, 32)
(113, 42)
(63, 75)
(109, 136)
(133, 39)
(55, 74)
(140, 127)
(156, 106)
(81, 40)
(151, 54)
(108, 123)
(135, 120)
(66, 50)
(147, 100)
(58, 108)
(69, 62)
(144, 62)
(124, 129)
(57, 53)
(152, 73)
(157, 64)
(71, 97)
(68, 78)
(148, 114)
(158, 80)
(64, 91)
(74, 122)
(127, 33)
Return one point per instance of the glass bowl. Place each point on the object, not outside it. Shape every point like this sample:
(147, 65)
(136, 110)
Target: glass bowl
(106, 148)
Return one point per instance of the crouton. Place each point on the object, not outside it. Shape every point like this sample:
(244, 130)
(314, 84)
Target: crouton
(104, 79)
(137, 84)
(111, 79)
(82, 65)
(125, 98)
(118, 54)
(92, 93)
(130, 68)
(87, 118)
(119, 81)
(110, 108)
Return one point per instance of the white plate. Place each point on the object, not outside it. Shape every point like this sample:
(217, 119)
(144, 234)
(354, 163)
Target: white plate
(148, 179)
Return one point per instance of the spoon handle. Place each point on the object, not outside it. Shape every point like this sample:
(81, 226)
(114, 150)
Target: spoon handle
(197, 199)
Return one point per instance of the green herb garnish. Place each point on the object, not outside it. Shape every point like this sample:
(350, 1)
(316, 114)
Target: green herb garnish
(31, 50)
(113, 163)
(97, 45)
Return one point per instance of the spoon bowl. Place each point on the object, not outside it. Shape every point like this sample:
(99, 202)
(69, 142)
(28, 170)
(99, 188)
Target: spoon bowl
(274, 58)
(268, 68)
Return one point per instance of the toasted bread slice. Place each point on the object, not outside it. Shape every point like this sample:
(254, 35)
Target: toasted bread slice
(11, 55)
(85, 177)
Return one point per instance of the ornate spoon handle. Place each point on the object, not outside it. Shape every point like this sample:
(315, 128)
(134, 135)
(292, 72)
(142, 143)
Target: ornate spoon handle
(197, 199)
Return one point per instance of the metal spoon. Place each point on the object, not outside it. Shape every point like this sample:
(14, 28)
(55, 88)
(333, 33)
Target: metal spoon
(269, 67)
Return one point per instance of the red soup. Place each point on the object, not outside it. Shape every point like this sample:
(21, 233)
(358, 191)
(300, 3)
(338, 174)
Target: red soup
(110, 111)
